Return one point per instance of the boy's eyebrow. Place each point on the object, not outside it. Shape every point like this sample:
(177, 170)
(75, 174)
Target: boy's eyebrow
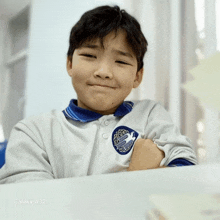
(123, 53)
(120, 52)
(90, 46)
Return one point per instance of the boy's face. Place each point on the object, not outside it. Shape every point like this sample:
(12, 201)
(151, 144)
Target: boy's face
(104, 76)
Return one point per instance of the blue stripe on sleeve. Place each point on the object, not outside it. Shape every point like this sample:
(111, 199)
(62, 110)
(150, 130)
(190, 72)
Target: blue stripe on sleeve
(180, 162)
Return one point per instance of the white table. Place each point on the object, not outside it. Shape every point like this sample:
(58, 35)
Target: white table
(116, 196)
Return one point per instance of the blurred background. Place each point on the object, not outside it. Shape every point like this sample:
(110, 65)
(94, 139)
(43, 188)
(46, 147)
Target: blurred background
(181, 34)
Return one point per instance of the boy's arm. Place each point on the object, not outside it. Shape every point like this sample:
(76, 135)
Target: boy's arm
(146, 155)
(25, 158)
(162, 144)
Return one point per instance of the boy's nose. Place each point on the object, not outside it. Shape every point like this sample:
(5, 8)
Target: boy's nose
(104, 72)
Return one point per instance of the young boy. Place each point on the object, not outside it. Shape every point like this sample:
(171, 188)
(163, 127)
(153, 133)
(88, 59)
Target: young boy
(99, 132)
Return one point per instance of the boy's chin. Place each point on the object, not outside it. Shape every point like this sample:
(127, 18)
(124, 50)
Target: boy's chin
(104, 109)
(101, 106)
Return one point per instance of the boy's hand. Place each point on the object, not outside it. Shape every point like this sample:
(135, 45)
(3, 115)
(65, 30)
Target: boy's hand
(146, 155)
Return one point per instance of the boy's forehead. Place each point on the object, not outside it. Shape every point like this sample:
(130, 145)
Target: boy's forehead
(101, 42)
(95, 41)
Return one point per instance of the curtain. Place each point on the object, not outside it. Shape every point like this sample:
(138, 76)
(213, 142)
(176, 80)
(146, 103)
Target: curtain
(192, 112)
(155, 19)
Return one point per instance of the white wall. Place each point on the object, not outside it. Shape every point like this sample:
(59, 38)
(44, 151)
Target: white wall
(48, 84)
(2, 69)
(12, 62)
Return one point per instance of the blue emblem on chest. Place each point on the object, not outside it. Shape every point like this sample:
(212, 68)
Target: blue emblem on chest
(123, 139)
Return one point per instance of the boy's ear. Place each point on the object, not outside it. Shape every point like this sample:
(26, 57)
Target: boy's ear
(69, 66)
(139, 77)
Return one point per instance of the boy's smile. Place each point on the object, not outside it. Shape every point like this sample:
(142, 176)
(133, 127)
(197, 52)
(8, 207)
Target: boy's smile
(104, 75)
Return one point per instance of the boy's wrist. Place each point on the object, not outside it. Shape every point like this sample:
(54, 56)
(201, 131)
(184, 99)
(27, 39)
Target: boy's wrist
(133, 168)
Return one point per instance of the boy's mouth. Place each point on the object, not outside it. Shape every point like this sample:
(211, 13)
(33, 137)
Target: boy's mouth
(100, 85)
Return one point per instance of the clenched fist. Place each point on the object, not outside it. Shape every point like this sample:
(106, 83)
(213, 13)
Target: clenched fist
(146, 155)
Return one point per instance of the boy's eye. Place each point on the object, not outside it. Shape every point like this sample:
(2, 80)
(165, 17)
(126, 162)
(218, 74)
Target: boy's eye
(122, 62)
(88, 55)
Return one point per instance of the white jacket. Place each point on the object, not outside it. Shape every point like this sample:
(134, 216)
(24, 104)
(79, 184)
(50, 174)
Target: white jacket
(51, 145)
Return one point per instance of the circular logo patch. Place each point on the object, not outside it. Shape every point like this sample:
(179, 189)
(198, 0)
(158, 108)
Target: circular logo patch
(123, 139)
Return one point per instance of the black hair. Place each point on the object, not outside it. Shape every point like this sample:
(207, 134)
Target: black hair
(100, 21)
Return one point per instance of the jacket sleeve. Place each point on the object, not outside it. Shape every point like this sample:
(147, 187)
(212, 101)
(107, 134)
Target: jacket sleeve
(25, 158)
(166, 135)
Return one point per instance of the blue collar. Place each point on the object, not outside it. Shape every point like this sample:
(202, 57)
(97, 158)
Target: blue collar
(83, 115)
